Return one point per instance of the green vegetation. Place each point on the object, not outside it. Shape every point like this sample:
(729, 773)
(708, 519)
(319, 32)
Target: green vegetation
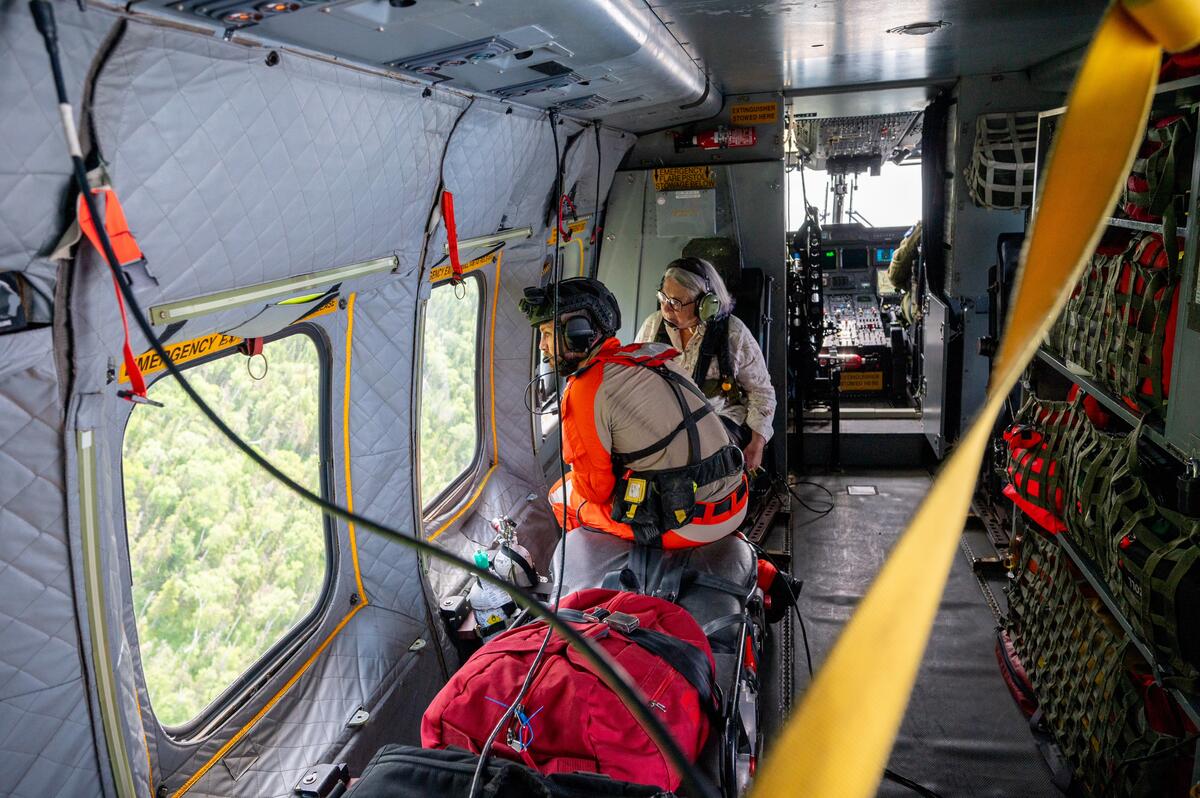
(224, 559)
(449, 430)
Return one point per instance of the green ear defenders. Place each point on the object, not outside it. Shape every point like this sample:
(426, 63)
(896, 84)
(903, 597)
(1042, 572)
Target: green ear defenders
(708, 304)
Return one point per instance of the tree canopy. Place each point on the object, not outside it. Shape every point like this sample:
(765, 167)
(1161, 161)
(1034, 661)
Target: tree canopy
(225, 560)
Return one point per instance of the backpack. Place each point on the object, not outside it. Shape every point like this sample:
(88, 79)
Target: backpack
(1161, 170)
(1145, 306)
(401, 771)
(569, 720)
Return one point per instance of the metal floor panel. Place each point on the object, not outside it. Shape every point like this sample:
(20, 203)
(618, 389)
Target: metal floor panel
(962, 734)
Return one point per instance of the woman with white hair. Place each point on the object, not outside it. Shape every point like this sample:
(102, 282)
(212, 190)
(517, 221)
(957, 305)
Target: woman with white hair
(695, 317)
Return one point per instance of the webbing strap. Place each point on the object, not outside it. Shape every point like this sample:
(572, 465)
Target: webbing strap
(687, 660)
(838, 741)
(451, 236)
(126, 248)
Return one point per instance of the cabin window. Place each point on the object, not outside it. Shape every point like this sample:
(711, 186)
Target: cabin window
(544, 396)
(890, 199)
(228, 565)
(449, 433)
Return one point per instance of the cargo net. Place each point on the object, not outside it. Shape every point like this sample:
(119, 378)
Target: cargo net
(1121, 734)
(1067, 474)
(1000, 174)
(1157, 186)
(1119, 323)
(1035, 464)
(1092, 456)
(1155, 570)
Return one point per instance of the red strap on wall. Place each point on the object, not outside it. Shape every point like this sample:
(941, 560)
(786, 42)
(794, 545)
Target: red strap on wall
(127, 251)
(451, 235)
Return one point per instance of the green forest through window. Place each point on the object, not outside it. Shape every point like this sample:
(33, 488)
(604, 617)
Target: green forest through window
(449, 393)
(225, 559)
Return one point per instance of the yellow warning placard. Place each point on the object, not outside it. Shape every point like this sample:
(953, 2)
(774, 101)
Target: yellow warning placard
(755, 113)
(446, 271)
(684, 178)
(328, 306)
(576, 227)
(182, 352)
(861, 381)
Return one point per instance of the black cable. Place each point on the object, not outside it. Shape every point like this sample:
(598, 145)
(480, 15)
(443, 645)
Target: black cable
(596, 230)
(820, 512)
(43, 15)
(904, 781)
(559, 572)
(888, 773)
(795, 605)
(441, 186)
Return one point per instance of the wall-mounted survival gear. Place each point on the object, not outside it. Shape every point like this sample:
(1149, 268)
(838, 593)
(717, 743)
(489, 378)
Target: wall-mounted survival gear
(1157, 563)
(1093, 455)
(1177, 66)
(1161, 171)
(1120, 320)
(1121, 737)
(1078, 335)
(1036, 445)
(1145, 304)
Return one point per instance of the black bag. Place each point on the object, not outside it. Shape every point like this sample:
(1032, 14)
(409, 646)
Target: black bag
(402, 771)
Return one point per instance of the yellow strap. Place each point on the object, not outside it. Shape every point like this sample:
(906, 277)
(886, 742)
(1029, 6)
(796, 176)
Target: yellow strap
(838, 741)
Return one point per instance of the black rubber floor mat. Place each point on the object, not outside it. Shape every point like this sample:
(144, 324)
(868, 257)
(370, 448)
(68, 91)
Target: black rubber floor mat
(962, 735)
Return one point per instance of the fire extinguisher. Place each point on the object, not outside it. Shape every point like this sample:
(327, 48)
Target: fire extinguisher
(719, 139)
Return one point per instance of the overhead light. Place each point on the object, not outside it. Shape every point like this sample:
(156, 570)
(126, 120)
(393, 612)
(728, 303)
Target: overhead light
(920, 28)
(241, 17)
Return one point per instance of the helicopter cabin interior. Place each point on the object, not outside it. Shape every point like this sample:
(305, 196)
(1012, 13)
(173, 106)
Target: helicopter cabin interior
(279, 450)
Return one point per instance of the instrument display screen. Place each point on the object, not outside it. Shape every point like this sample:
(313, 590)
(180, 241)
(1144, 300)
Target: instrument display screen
(854, 259)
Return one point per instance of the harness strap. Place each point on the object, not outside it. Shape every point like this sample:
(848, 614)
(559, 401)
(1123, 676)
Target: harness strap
(719, 511)
(126, 248)
(720, 624)
(690, 417)
(687, 660)
(713, 582)
(451, 236)
(688, 422)
(520, 562)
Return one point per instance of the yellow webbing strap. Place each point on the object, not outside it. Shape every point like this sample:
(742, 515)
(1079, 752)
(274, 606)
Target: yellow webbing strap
(837, 743)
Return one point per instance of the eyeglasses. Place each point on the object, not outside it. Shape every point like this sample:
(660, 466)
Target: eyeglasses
(675, 304)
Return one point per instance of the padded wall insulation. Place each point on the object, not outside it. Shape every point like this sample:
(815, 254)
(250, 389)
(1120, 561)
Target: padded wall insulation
(47, 746)
(46, 742)
(233, 173)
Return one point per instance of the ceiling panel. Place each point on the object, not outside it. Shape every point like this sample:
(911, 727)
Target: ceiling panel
(760, 45)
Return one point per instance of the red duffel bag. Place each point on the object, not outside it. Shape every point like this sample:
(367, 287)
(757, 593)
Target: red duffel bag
(569, 720)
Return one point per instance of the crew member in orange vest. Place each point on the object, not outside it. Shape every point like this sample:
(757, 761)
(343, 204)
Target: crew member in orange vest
(650, 460)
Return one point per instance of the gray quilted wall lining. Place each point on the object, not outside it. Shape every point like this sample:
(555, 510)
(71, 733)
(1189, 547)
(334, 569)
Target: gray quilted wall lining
(46, 741)
(35, 172)
(308, 723)
(381, 442)
(519, 474)
(233, 173)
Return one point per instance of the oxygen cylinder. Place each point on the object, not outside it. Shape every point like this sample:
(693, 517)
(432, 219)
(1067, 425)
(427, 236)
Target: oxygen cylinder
(492, 607)
(508, 569)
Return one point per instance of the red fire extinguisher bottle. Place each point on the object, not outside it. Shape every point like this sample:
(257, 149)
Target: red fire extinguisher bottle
(720, 138)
